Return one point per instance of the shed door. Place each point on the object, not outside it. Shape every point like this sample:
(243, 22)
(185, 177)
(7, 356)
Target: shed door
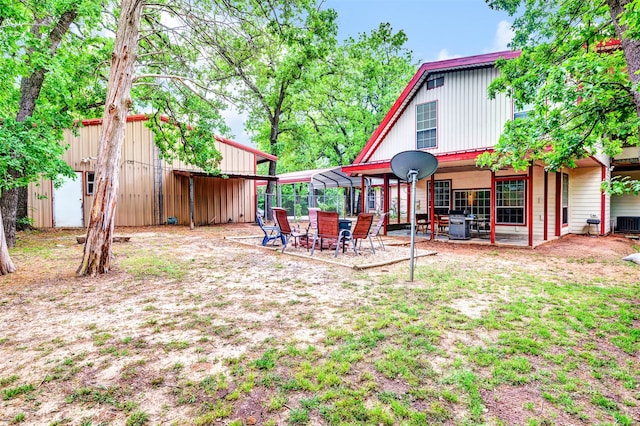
(67, 204)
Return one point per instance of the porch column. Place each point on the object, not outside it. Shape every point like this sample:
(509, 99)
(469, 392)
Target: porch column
(279, 195)
(385, 199)
(398, 195)
(363, 195)
(546, 206)
(558, 202)
(603, 201)
(191, 203)
(530, 202)
(432, 207)
(492, 196)
(409, 195)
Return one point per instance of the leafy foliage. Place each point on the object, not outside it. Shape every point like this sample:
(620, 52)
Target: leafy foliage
(354, 89)
(31, 147)
(579, 89)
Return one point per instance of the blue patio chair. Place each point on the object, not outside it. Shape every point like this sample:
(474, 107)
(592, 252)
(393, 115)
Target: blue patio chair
(271, 233)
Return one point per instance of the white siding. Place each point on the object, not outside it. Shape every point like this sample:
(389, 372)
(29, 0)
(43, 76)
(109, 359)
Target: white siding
(467, 118)
(584, 198)
(625, 205)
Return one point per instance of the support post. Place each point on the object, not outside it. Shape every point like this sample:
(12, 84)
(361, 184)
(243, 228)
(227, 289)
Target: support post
(191, 204)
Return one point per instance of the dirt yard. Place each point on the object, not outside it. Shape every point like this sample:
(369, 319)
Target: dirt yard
(183, 307)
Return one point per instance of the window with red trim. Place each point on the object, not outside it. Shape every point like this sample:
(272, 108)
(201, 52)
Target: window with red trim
(510, 202)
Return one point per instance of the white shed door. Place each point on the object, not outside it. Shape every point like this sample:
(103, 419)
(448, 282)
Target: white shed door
(67, 204)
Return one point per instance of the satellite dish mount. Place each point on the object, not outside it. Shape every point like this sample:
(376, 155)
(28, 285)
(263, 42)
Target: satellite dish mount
(413, 166)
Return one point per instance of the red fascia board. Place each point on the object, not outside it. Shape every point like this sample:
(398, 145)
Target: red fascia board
(442, 158)
(246, 148)
(164, 118)
(469, 61)
(130, 119)
(363, 167)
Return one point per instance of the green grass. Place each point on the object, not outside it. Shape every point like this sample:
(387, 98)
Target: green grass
(444, 349)
(155, 266)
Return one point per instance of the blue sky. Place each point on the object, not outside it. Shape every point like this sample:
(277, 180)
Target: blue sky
(437, 30)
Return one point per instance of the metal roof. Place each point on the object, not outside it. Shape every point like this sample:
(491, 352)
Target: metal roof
(331, 177)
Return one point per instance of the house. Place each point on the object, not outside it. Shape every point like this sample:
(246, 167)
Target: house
(445, 110)
(152, 190)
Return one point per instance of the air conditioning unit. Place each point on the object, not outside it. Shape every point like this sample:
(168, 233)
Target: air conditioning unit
(628, 224)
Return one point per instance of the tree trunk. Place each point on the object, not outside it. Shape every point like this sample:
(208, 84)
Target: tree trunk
(630, 47)
(8, 203)
(269, 192)
(30, 88)
(97, 248)
(6, 265)
(22, 212)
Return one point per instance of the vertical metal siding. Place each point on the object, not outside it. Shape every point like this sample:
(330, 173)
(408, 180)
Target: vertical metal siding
(139, 182)
(467, 118)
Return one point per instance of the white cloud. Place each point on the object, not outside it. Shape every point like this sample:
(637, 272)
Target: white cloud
(504, 35)
(444, 54)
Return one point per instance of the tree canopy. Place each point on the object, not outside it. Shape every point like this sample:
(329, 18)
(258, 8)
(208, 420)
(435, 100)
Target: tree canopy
(577, 80)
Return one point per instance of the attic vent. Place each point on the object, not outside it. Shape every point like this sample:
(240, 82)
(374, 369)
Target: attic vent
(434, 82)
(628, 224)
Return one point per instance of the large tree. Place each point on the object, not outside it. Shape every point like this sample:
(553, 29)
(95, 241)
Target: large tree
(355, 87)
(262, 52)
(154, 48)
(580, 83)
(49, 50)
(97, 248)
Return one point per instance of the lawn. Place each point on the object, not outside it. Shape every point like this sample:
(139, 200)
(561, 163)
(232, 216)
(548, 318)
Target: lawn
(191, 328)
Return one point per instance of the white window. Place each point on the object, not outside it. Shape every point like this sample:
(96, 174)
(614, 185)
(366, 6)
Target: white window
(91, 179)
(434, 82)
(426, 123)
(565, 199)
(522, 112)
(442, 198)
(510, 202)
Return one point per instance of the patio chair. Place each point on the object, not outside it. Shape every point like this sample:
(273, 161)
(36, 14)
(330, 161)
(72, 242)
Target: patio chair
(271, 233)
(360, 232)
(422, 222)
(442, 222)
(312, 228)
(375, 233)
(286, 231)
(329, 232)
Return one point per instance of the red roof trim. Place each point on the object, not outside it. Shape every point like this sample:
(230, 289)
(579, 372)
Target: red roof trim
(246, 148)
(144, 117)
(389, 120)
(446, 157)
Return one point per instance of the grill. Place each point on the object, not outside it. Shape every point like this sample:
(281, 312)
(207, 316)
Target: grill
(592, 221)
(459, 228)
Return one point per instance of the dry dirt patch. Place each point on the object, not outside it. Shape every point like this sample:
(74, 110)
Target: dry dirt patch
(140, 338)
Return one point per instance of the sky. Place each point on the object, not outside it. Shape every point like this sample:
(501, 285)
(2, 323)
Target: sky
(436, 30)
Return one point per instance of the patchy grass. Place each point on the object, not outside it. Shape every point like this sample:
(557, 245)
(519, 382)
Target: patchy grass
(219, 333)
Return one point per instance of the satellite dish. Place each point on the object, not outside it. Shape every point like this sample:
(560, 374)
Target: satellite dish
(413, 166)
(424, 163)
